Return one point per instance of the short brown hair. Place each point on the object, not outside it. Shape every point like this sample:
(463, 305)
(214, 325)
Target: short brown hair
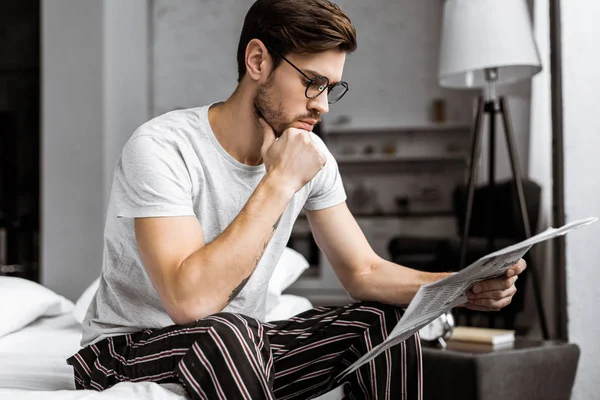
(296, 26)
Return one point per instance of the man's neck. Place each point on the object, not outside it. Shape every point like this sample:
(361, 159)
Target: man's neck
(236, 127)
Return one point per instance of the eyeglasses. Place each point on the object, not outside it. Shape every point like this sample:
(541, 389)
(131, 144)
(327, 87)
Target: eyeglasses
(316, 86)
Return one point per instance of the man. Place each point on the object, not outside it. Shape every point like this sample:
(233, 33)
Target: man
(202, 206)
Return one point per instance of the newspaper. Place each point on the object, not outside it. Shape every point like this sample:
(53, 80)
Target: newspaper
(436, 298)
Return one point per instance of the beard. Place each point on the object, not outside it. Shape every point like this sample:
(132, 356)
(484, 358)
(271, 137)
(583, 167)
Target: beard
(270, 108)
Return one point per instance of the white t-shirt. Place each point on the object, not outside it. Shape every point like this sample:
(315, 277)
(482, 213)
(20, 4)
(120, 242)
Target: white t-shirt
(174, 166)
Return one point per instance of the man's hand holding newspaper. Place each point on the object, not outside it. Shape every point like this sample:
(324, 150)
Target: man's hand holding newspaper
(496, 293)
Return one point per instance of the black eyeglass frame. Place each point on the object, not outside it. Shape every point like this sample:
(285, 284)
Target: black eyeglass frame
(313, 80)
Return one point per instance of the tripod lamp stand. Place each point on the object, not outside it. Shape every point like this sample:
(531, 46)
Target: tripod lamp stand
(486, 43)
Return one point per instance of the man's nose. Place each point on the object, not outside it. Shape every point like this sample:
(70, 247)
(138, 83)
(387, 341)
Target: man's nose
(320, 103)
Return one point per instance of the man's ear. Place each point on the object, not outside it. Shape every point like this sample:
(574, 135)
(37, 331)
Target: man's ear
(259, 63)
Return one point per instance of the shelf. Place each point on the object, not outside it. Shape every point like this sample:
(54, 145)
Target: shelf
(320, 297)
(447, 127)
(384, 158)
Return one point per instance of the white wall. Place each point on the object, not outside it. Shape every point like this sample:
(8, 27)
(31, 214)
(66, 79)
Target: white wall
(581, 84)
(72, 130)
(126, 77)
(194, 51)
(94, 89)
(392, 76)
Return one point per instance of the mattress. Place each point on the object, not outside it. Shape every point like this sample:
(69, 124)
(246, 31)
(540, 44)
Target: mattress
(33, 366)
(34, 357)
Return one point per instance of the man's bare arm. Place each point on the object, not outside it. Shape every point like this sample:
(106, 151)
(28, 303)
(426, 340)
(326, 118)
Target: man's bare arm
(365, 275)
(368, 277)
(257, 259)
(194, 279)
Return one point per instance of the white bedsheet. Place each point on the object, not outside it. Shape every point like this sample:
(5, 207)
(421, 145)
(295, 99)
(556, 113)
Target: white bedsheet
(33, 366)
(125, 391)
(56, 335)
(34, 357)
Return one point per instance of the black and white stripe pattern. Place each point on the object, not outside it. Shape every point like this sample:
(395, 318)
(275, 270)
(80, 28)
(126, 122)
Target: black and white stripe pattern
(230, 356)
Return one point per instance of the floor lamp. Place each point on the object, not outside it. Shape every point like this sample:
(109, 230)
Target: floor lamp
(486, 43)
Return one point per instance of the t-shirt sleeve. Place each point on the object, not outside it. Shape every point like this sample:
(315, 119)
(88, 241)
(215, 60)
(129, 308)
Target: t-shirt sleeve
(152, 180)
(326, 188)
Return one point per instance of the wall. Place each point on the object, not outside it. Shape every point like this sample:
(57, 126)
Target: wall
(581, 83)
(392, 76)
(72, 129)
(94, 95)
(126, 77)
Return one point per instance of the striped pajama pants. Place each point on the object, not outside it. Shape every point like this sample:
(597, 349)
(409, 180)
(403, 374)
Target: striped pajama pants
(231, 356)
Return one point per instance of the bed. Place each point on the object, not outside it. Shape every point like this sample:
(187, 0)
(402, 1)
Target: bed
(40, 329)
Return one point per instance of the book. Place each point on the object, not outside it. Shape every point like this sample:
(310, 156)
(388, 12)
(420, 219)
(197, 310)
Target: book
(477, 348)
(482, 335)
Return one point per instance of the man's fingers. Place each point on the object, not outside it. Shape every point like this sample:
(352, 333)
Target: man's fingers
(476, 307)
(516, 269)
(494, 284)
(493, 294)
(489, 304)
(506, 281)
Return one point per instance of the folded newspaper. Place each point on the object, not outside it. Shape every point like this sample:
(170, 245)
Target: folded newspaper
(436, 298)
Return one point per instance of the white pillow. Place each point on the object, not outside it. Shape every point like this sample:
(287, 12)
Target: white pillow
(290, 266)
(83, 303)
(286, 306)
(24, 301)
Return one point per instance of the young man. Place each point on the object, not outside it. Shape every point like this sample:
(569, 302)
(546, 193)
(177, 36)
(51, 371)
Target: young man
(202, 206)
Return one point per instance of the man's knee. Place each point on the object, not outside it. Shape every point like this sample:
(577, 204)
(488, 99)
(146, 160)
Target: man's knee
(235, 335)
(386, 314)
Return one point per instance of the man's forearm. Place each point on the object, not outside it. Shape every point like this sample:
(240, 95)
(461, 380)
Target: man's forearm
(391, 283)
(215, 274)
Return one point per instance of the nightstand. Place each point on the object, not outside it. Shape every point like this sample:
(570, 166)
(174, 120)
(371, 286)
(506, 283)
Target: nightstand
(525, 370)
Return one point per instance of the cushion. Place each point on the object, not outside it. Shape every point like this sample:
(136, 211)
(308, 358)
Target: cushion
(286, 306)
(24, 301)
(290, 266)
